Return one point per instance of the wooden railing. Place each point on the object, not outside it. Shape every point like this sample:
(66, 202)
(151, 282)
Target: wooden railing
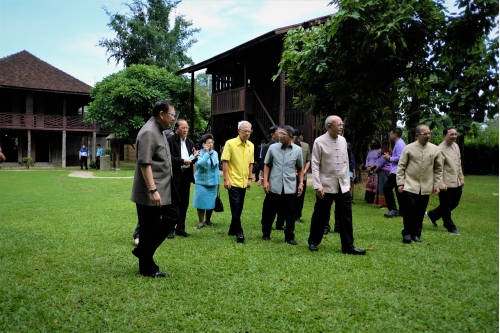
(45, 122)
(228, 101)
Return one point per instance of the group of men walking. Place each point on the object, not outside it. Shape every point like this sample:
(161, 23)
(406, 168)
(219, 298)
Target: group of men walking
(164, 173)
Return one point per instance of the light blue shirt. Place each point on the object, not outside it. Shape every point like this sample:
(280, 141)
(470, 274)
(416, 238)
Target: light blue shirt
(100, 151)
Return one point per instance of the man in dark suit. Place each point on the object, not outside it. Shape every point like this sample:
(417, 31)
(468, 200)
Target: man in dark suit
(184, 155)
(257, 158)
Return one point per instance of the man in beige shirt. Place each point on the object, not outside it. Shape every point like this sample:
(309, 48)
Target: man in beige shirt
(453, 182)
(330, 172)
(420, 172)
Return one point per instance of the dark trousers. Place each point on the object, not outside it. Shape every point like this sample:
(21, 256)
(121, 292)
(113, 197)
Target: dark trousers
(83, 161)
(280, 219)
(153, 232)
(98, 162)
(448, 201)
(299, 201)
(283, 203)
(236, 201)
(343, 213)
(413, 213)
(184, 192)
(389, 186)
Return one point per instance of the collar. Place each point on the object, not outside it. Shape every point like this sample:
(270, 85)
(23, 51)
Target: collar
(241, 142)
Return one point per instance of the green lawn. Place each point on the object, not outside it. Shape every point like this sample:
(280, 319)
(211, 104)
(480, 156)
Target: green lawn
(66, 266)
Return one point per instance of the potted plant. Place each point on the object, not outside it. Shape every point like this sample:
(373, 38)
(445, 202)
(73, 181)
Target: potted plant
(106, 160)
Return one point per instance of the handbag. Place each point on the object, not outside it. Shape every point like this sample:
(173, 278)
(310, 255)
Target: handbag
(219, 207)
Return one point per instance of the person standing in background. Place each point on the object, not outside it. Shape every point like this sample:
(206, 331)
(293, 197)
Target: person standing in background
(83, 153)
(98, 155)
(390, 184)
(306, 162)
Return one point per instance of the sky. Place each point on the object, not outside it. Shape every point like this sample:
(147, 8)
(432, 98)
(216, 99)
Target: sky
(64, 33)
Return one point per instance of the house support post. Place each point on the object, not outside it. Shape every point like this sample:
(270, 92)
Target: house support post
(29, 143)
(63, 155)
(192, 106)
(282, 100)
(94, 137)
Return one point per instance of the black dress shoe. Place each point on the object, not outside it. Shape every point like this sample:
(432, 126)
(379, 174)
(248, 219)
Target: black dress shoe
(433, 222)
(406, 239)
(240, 238)
(454, 232)
(266, 238)
(182, 233)
(209, 223)
(298, 220)
(313, 247)
(135, 252)
(392, 213)
(200, 226)
(231, 233)
(291, 242)
(170, 235)
(281, 227)
(326, 231)
(353, 250)
(159, 274)
(415, 238)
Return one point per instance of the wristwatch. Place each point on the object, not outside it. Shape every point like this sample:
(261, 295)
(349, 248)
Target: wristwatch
(152, 191)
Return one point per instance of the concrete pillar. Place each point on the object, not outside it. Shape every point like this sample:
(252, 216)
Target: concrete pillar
(63, 158)
(94, 148)
(29, 143)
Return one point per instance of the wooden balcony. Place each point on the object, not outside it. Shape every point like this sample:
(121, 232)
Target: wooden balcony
(44, 122)
(228, 101)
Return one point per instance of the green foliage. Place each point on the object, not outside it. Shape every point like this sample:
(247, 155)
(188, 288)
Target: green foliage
(353, 65)
(59, 275)
(92, 164)
(124, 100)
(486, 135)
(108, 151)
(145, 35)
(28, 161)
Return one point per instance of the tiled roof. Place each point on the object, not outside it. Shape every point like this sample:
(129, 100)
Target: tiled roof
(24, 70)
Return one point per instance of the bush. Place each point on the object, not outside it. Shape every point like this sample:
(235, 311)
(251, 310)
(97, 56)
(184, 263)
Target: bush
(107, 151)
(92, 164)
(28, 161)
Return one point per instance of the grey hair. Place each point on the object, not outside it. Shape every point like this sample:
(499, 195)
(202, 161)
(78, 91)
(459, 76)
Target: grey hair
(329, 120)
(243, 123)
(417, 129)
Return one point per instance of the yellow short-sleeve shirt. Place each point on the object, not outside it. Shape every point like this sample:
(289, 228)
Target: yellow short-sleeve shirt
(239, 156)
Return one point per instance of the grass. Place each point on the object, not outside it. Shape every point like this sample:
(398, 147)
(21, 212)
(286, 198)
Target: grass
(66, 266)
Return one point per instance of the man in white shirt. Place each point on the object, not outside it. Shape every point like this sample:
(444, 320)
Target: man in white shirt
(330, 172)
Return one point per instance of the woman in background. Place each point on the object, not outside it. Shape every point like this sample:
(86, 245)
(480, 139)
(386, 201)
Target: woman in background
(206, 180)
(370, 165)
(383, 169)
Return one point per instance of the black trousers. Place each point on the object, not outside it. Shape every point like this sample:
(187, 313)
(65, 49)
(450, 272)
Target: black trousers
(153, 232)
(413, 213)
(98, 162)
(283, 203)
(343, 213)
(83, 161)
(389, 186)
(184, 192)
(299, 201)
(448, 201)
(236, 201)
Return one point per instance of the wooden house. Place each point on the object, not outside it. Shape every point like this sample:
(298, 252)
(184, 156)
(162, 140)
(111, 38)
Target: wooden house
(242, 89)
(41, 113)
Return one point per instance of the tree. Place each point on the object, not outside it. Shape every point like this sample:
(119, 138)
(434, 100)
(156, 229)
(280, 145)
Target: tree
(354, 64)
(124, 100)
(145, 35)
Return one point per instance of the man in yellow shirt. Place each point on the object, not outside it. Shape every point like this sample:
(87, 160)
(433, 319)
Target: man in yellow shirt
(238, 159)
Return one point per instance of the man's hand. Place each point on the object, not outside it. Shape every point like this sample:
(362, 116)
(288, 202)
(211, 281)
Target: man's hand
(227, 184)
(249, 184)
(300, 189)
(187, 162)
(196, 152)
(401, 188)
(155, 199)
(320, 193)
(444, 187)
(462, 183)
(436, 190)
(266, 186)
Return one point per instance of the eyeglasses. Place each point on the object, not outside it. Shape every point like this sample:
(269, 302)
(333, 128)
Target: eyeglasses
(281, 133)
(210, 143)
(172, 114)
(426, 133)
(338, 124)
(246, 131)
(184, 127)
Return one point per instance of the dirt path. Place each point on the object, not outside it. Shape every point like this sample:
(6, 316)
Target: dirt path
(90, 174)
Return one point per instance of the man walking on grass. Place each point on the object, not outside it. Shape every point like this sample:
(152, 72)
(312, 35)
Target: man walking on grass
(282, 167)
(453, 182)
(391, 184)
(237, 159)
(153, 189)
(330, 172)
(420, 172)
